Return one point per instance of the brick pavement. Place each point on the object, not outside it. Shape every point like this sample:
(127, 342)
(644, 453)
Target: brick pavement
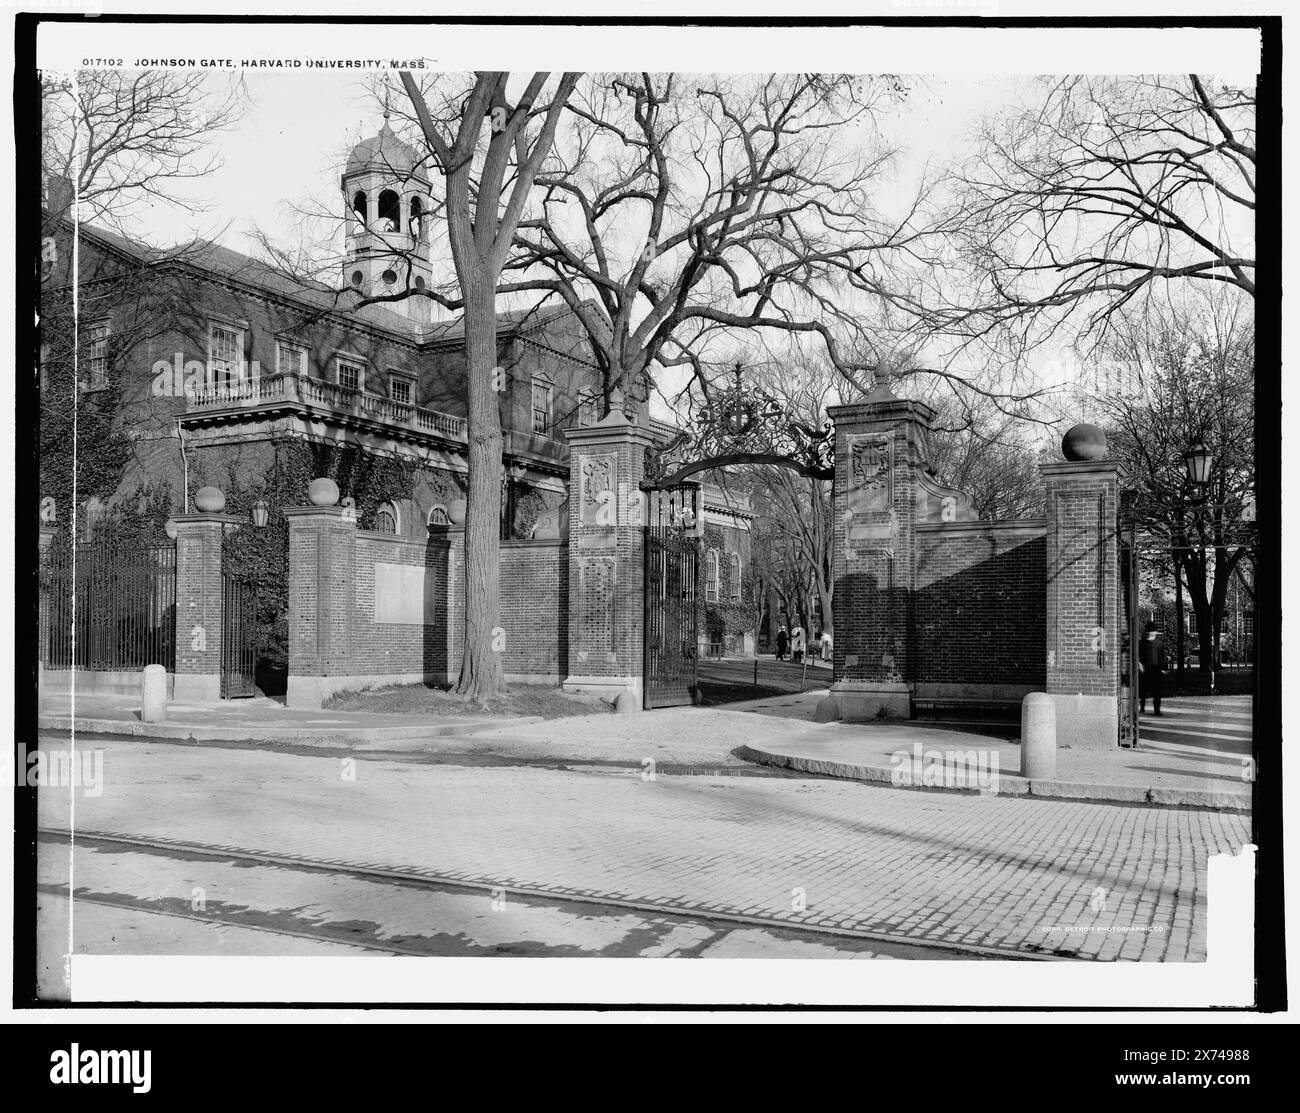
(954, 870)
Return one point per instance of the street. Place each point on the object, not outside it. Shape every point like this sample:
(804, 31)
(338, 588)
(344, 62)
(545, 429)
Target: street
(208, 849)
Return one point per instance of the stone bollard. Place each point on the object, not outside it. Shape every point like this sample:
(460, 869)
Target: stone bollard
(153, 698)
(1038, 737)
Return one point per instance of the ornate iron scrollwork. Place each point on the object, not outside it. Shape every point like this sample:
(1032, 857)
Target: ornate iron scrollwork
(743, 424)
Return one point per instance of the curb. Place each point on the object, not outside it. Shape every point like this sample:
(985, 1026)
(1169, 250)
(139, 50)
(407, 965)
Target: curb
(1011, 785)
(256, 733)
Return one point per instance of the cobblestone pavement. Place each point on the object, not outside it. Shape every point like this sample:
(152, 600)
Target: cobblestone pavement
(1070, 878)
(131, 900)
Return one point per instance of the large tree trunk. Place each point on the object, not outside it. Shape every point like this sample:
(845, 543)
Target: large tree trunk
(481, 671)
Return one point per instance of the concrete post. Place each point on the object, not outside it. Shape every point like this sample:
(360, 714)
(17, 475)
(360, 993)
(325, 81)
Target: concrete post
(879, 456)
(1038, 736)
(607, 557)
(153, 694)
(1084, 608)
(199, 616)
(322, 554)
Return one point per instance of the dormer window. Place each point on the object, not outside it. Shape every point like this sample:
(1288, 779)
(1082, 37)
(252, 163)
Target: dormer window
(350, 375)
(290, 359)
(401, 388)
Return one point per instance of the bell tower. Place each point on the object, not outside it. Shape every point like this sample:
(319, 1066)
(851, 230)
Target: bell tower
(387, 204)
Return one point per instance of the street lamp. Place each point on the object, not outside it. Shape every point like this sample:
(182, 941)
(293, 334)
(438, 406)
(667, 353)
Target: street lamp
(261, 511)
(1199, 461)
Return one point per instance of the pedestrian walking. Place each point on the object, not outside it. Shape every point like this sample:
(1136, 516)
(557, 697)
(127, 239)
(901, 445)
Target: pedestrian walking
(796, 643)
(828, 646)
(782, 641)
(1152, 661)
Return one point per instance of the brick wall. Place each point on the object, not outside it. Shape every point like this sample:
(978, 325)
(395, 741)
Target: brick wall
(980, 605)
(420, 646)
(534, 609)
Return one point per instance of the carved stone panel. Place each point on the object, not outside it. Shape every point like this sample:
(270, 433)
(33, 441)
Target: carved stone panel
(871, 472)
(598, 489)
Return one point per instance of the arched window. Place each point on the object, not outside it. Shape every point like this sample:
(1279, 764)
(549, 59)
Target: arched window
(390, 211)
(438, 517)
(711, 576)
(417, 224)
(386, 519)
(359, 206)
(733, 569)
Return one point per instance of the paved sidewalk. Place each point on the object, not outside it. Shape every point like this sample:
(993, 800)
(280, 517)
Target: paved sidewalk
(1193, 755)
(255, 720)
(1028, 876)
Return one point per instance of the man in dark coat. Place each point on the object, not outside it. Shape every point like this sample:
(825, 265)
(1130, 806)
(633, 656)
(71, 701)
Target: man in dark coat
(782, 640)
(1152, 660)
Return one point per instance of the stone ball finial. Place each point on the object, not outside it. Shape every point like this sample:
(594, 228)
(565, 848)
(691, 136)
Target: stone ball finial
(210, 500)
(323, 492)
(1084, 442)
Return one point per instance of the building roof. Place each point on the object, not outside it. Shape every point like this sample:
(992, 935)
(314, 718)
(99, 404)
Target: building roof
(384, 152)
(205, 255)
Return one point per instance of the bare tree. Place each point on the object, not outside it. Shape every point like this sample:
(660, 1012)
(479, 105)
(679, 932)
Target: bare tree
(983, 453)
(489, 152)
(680, 210)
(111, 142)
(121, 139)
(1093, 197)
(1198, 365)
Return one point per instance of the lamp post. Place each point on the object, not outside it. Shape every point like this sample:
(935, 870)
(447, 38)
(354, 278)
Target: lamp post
(1199, 462)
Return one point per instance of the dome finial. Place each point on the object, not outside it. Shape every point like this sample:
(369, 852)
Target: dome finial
(385, 107)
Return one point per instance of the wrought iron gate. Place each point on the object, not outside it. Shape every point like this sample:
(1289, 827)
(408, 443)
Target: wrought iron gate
(672, 562)
(238, 636)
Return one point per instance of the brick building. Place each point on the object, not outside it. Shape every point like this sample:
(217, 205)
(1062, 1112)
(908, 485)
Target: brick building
(210, 360)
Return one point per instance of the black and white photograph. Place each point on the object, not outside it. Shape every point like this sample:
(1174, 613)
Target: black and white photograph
(737, 497)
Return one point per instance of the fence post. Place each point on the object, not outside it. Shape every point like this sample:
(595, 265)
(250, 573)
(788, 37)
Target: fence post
(199, 610)
(322, 557)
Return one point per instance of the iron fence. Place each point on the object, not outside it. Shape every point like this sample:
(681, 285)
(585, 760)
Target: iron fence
(109, 607)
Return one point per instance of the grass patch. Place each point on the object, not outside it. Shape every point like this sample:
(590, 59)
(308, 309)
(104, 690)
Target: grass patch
(417, 699)
(715, 695)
